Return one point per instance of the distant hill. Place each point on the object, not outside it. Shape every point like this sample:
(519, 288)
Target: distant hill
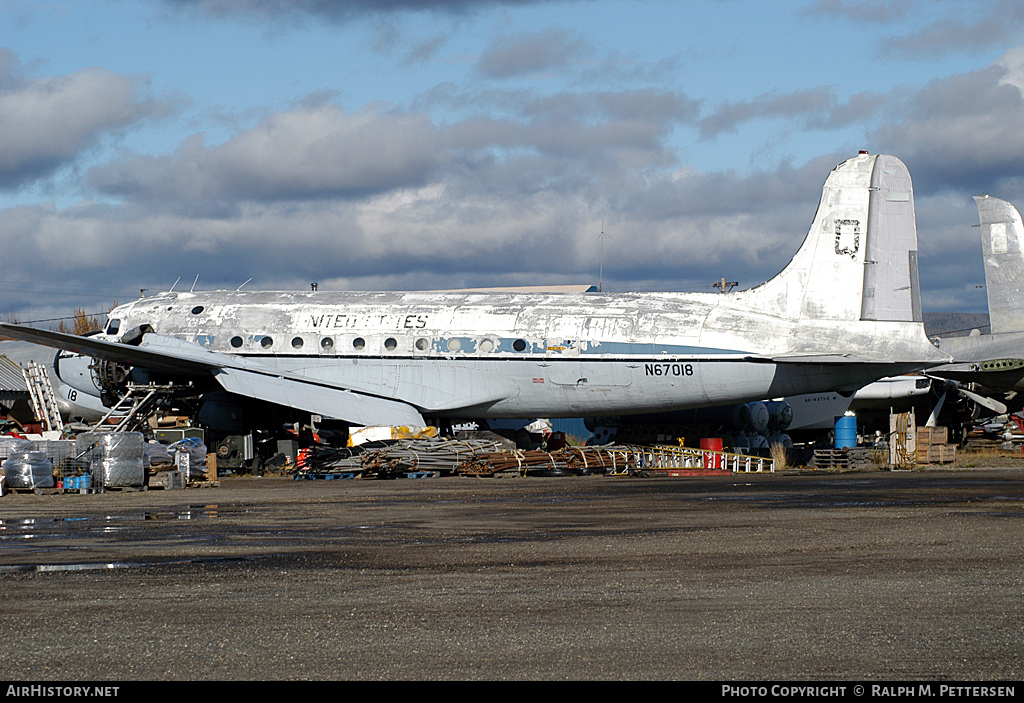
(955, 324)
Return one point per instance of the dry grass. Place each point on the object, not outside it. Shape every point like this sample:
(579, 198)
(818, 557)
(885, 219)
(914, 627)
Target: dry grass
(779, 458)
(988, 456)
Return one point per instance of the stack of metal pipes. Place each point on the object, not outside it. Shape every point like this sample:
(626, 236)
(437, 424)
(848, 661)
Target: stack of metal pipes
(576, 460)
(397, 456)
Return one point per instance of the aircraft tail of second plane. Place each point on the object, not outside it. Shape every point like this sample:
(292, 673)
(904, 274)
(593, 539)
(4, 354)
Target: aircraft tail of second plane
(1001, 232)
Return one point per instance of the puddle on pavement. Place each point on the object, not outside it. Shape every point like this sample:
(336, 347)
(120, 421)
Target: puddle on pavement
(108, 566)
(18, 529)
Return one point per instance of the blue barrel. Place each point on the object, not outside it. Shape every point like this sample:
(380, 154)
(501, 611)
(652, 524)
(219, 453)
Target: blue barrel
(846, 431)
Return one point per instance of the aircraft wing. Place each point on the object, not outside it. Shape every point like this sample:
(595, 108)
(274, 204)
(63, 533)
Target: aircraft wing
(241, 376)
(185, 362)
(318, 398)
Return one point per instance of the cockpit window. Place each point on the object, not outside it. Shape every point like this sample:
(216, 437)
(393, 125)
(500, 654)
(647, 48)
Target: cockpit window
(113, 326)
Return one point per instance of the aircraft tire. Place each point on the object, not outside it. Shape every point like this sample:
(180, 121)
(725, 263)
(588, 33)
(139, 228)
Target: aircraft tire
(548, 472)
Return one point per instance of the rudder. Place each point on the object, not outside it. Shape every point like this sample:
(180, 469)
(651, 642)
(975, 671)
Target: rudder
(892, 288)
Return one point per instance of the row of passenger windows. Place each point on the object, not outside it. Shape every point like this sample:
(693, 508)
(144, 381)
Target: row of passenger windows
(390, 344)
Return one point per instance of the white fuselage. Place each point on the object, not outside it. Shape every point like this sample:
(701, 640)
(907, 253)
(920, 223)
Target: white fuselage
(515, 355)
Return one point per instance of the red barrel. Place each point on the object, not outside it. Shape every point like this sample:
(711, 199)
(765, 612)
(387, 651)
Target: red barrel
(556, 440)
(712, 461)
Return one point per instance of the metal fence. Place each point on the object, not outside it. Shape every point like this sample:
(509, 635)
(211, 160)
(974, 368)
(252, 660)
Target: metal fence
(639, 458)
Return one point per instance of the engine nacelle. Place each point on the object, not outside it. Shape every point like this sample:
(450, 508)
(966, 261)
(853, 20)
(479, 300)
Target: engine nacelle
(75, 370)
(112, 380)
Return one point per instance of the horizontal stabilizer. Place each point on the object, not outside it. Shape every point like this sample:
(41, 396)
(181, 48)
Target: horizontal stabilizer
(983, 347)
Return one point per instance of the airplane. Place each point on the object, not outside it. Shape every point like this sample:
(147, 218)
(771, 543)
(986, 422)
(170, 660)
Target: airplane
(845, 311)
(73, 405)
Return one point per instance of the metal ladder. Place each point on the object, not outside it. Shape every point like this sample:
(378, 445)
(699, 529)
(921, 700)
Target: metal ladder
(132, 410)
(44, 401)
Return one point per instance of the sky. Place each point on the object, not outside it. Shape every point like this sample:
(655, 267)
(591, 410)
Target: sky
(427, 144)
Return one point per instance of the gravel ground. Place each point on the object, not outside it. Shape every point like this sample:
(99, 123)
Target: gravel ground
(888, 576)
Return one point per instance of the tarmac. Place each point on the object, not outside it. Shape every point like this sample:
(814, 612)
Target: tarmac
(824, 577)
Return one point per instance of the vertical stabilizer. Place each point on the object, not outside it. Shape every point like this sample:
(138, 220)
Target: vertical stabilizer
(1001, 232)
(859, 259)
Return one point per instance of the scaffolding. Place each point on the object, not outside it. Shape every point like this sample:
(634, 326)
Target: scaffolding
(132, 410)
(44, 401)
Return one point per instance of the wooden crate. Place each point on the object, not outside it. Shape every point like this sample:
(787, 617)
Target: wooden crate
(936, 453)
(932, 435)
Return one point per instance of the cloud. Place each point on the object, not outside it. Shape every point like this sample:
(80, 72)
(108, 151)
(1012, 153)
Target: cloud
(46, 123)
(313, 151)
(968, 27)
(941, 27)
(425, 49)
(384, 193)
(336, 12)
(314, 193)
(516, 192)
(465, 227)
(317, 151)
(960, 132)
(386, 196)
(874, 11)
(529, 53)
(817, 107)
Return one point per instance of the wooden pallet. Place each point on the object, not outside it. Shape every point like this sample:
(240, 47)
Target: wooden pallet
(843, 459)
(37, 491)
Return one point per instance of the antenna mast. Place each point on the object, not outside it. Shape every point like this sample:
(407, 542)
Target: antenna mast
(724, 286)
(601, 237)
